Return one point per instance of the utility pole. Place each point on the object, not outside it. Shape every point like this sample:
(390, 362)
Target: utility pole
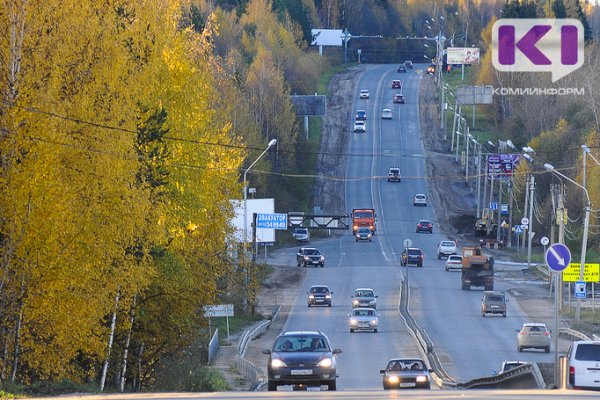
(525, 210)
(479, 181)
(529, 232)
(510, 207)
(561, 239)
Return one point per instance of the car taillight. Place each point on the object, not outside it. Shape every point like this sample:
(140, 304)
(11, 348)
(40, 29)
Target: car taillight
(546, 333)
(572, 371)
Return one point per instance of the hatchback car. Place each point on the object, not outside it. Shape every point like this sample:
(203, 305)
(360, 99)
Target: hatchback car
(584, 364)
(363, 319)
(302, 359)
(533, 336)
(319, 295)
(386, 113)
(398, 98)
(396, 84)
(364, 297)
(360, 126)
(454, 262)
(412, 255)
(364, 94)
(493, 303)
(420, 200)
(424, 226)
(401, 68)
(446, 248)
(364, 233)
(361, 115)
(310, 256)
(404, 373)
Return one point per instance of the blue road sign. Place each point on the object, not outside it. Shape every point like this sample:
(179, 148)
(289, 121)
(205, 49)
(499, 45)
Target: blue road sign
(272, 221)
(558, 257)
(494, 205)
(518, 229)
(580, 291)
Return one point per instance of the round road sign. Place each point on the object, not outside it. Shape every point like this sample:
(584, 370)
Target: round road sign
(544, 241)
(558, 257)
(407, 243)
(524, 221)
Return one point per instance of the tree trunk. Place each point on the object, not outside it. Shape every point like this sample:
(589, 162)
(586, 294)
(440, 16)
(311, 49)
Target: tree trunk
(110, 341)
(127, 342)
(16, 349)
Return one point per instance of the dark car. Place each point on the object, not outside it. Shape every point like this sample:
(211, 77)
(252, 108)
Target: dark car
(310, 256)
(302, 359)
(408, 64)
(319, 295)
(364, 233)
(412, 255)
(396, 84)
(431, 69)
(361, 115)
(424, 226)
(401, 373)
(398, 98)
(401, 68)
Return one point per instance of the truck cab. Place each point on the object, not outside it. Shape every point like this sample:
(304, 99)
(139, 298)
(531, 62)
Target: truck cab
(363, 218)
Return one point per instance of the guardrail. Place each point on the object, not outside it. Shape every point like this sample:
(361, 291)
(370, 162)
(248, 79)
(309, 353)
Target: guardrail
(213, 346)
(245, 367)
(573, 334)
(525, 375)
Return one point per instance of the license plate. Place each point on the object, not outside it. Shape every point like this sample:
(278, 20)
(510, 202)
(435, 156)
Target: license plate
(495, 307)
(407, 384)
(301, 372)
(319, 300)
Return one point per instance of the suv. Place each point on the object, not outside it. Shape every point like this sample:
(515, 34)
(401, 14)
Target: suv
(319, 295)
(533, 336)
(364, 297)
(394, 174)
(412, 255)
(446, 248)
(420, 200)
(364, 94)
(302, 358)
(584, 358)
(401, 68)
(493, 303)
(396, 84)
(301, 235)
(408, 64)
(310, 256)
(360, 126)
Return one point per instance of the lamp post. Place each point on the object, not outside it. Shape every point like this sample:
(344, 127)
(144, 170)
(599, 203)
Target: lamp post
(272, 143)
(586, 226)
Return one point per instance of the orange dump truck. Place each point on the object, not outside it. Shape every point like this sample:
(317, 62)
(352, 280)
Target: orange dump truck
(363, 217)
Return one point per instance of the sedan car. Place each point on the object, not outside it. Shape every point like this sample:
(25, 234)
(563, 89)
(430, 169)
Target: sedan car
(454, 262)
(420, 200)
(310, 256)
(319, 295)
(401, 373)
(396, 84)
(364, 233)
(386, 113)
(364, 297)
(361, 115)
(424, 226)
(446, 248)
(360, 126)
(398, 98)
(401, 68)
(363, 319)
(302, 358)
(533, 336)
(364, 94)
(408, 64)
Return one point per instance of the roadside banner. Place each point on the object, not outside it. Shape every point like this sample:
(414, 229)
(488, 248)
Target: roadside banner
(462, 55)
(591, 273)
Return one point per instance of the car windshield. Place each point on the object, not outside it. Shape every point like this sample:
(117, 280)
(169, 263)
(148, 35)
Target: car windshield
(405, 365)
(363, 214)
(587, 352)
(364, 230)
(363, 313)
(311, 252)
(319, 289)
(448, 244)
(455, 258)
(299, 343)
(301, 230)
(363, 293)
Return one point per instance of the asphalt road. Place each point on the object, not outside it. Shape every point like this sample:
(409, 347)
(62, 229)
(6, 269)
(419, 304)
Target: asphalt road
(469, 346)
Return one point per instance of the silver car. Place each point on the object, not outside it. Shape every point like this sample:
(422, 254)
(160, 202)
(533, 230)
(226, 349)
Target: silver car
(365, 319)
(533, 336)
(364, 297)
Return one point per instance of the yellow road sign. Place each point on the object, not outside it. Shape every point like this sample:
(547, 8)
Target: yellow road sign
(591, 273)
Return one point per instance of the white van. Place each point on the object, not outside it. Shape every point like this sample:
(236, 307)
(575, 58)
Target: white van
(584, 364)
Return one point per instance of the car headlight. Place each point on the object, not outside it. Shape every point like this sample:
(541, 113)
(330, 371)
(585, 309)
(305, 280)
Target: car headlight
(326, 363)
(353, 321)
(421, 378)
(369, 235)
(355, 302)
(306, 258)
(277, 363)
(311, 296)
(393, 379)
(373, 322)
(328, 296)
(322, 258)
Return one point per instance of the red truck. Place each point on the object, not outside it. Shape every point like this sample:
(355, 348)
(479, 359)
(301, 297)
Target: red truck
(363, 217)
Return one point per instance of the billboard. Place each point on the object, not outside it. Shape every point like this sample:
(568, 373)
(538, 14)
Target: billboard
(502, 165)
(326, 37)
(462, 55)
(259, 206)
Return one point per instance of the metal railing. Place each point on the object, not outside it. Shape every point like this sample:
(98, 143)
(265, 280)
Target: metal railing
(213, 346)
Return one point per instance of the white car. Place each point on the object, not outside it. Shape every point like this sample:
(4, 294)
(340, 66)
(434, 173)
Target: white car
(386, 113)
(446, 248)
(365, 319)
(454, 262)
(584, 358)
(364, 94)
(420, 200)
(364, 297)
(533, 336)
(360, 126)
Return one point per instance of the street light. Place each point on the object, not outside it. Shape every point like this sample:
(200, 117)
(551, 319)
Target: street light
(586, 225)
(272, 143)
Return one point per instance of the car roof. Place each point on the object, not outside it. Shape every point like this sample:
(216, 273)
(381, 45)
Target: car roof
(314, 286)
(386, 109)
(424, 220)
(534, 324)
(294, 333)
(361, 111)
(308, 248)
(454, 256)
(420, 194)
(413, 249)
(363, 288)
(363, 309)
(406, 359)
(364, 90)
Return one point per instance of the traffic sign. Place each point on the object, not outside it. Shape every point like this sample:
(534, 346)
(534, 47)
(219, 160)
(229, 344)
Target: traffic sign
(524, 221)
(219, 310)
(544, 241)
(494, 205)
(518, 229)
(558, 256)
(590, 274)
(407, 243)
(272, 221)
(580, 292)
(504, 209)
